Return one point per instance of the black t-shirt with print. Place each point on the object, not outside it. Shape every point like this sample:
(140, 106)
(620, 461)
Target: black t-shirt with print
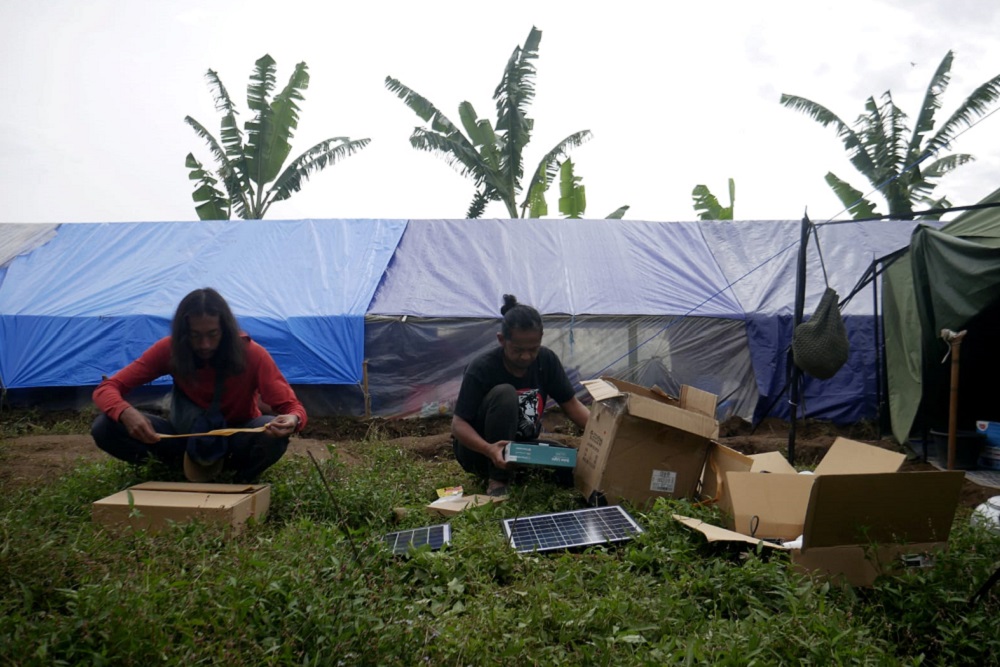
(544, 379)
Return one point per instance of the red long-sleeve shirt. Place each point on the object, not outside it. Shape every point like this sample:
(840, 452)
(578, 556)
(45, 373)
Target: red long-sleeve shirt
(261, 379)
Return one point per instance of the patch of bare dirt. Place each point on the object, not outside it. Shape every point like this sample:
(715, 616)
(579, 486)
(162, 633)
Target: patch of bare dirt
(39, 458)
(36, 459)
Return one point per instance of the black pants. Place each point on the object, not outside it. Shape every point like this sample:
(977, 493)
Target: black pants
(496, 420)
(249, 454)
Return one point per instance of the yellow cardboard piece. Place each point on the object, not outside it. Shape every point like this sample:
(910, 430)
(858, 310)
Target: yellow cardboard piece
(452, 506)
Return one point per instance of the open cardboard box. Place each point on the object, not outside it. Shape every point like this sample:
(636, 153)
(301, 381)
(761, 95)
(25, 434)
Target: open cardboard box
(641, 444)
(858, 517)
(153, 505)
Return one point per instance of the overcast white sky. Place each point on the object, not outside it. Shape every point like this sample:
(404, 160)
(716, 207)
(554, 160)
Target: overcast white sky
(675, 94)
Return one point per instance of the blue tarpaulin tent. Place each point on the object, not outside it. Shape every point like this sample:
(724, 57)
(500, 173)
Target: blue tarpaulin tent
(95, 296)
(702, 303)
(705, 303)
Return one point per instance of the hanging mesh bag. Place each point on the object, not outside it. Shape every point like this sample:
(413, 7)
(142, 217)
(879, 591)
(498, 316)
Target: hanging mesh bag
(819, 346)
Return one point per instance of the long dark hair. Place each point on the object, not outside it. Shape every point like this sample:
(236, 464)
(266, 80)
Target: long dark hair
(230, 357)
(518, 316)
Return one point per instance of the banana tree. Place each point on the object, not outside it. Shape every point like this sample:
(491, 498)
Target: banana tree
(707, 206)
(572, 196)
(252, 171)
(890, 156)
(491, 154)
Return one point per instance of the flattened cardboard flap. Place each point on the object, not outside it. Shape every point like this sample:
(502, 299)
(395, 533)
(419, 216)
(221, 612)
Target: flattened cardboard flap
(608, 387)
(884, 508)
(847, 457)
(600, 390)
(653, 392)
(715, 534)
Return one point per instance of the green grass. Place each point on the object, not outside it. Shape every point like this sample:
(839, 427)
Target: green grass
(312, 585)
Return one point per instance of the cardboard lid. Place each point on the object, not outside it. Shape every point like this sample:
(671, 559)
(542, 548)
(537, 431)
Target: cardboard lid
(881, 508)
(847, 457)
(197, 487)
(152, 498)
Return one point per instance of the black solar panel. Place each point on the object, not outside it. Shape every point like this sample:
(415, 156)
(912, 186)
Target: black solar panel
(563, 530)
(435, 536)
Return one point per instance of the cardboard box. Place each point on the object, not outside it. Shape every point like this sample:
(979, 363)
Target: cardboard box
(857, 516)
(641, 444)
(540, 453)
(152, 505)
(456, 505)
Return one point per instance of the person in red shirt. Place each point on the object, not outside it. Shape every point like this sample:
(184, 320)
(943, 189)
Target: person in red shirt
(213, 364)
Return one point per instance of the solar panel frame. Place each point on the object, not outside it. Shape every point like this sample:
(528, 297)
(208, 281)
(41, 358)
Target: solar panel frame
(401, 541)
(565, 530)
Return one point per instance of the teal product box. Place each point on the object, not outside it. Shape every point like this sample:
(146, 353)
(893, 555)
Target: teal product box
(540, 453)
(989, 457)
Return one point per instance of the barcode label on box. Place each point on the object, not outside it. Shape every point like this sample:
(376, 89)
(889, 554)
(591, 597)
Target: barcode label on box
(663, 481)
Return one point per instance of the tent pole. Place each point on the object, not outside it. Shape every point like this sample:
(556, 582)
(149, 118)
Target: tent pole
(954, 340)
(364, 389)
(800, 299)
(879, 346)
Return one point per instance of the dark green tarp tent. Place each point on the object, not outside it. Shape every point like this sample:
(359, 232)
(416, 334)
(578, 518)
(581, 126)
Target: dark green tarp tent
(948, 279)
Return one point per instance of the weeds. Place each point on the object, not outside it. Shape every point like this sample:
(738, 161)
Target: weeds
(292, 590)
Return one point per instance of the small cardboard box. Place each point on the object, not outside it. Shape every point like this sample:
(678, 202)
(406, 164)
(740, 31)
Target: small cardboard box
(455, 505)
(152, 505)
(857, 516)
(540, 453)
(641, 444)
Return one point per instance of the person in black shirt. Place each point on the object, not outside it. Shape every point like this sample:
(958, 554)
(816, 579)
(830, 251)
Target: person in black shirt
(504, 392)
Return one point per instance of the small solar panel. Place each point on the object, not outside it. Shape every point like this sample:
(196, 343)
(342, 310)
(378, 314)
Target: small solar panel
(435, 536)
(563, 530)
